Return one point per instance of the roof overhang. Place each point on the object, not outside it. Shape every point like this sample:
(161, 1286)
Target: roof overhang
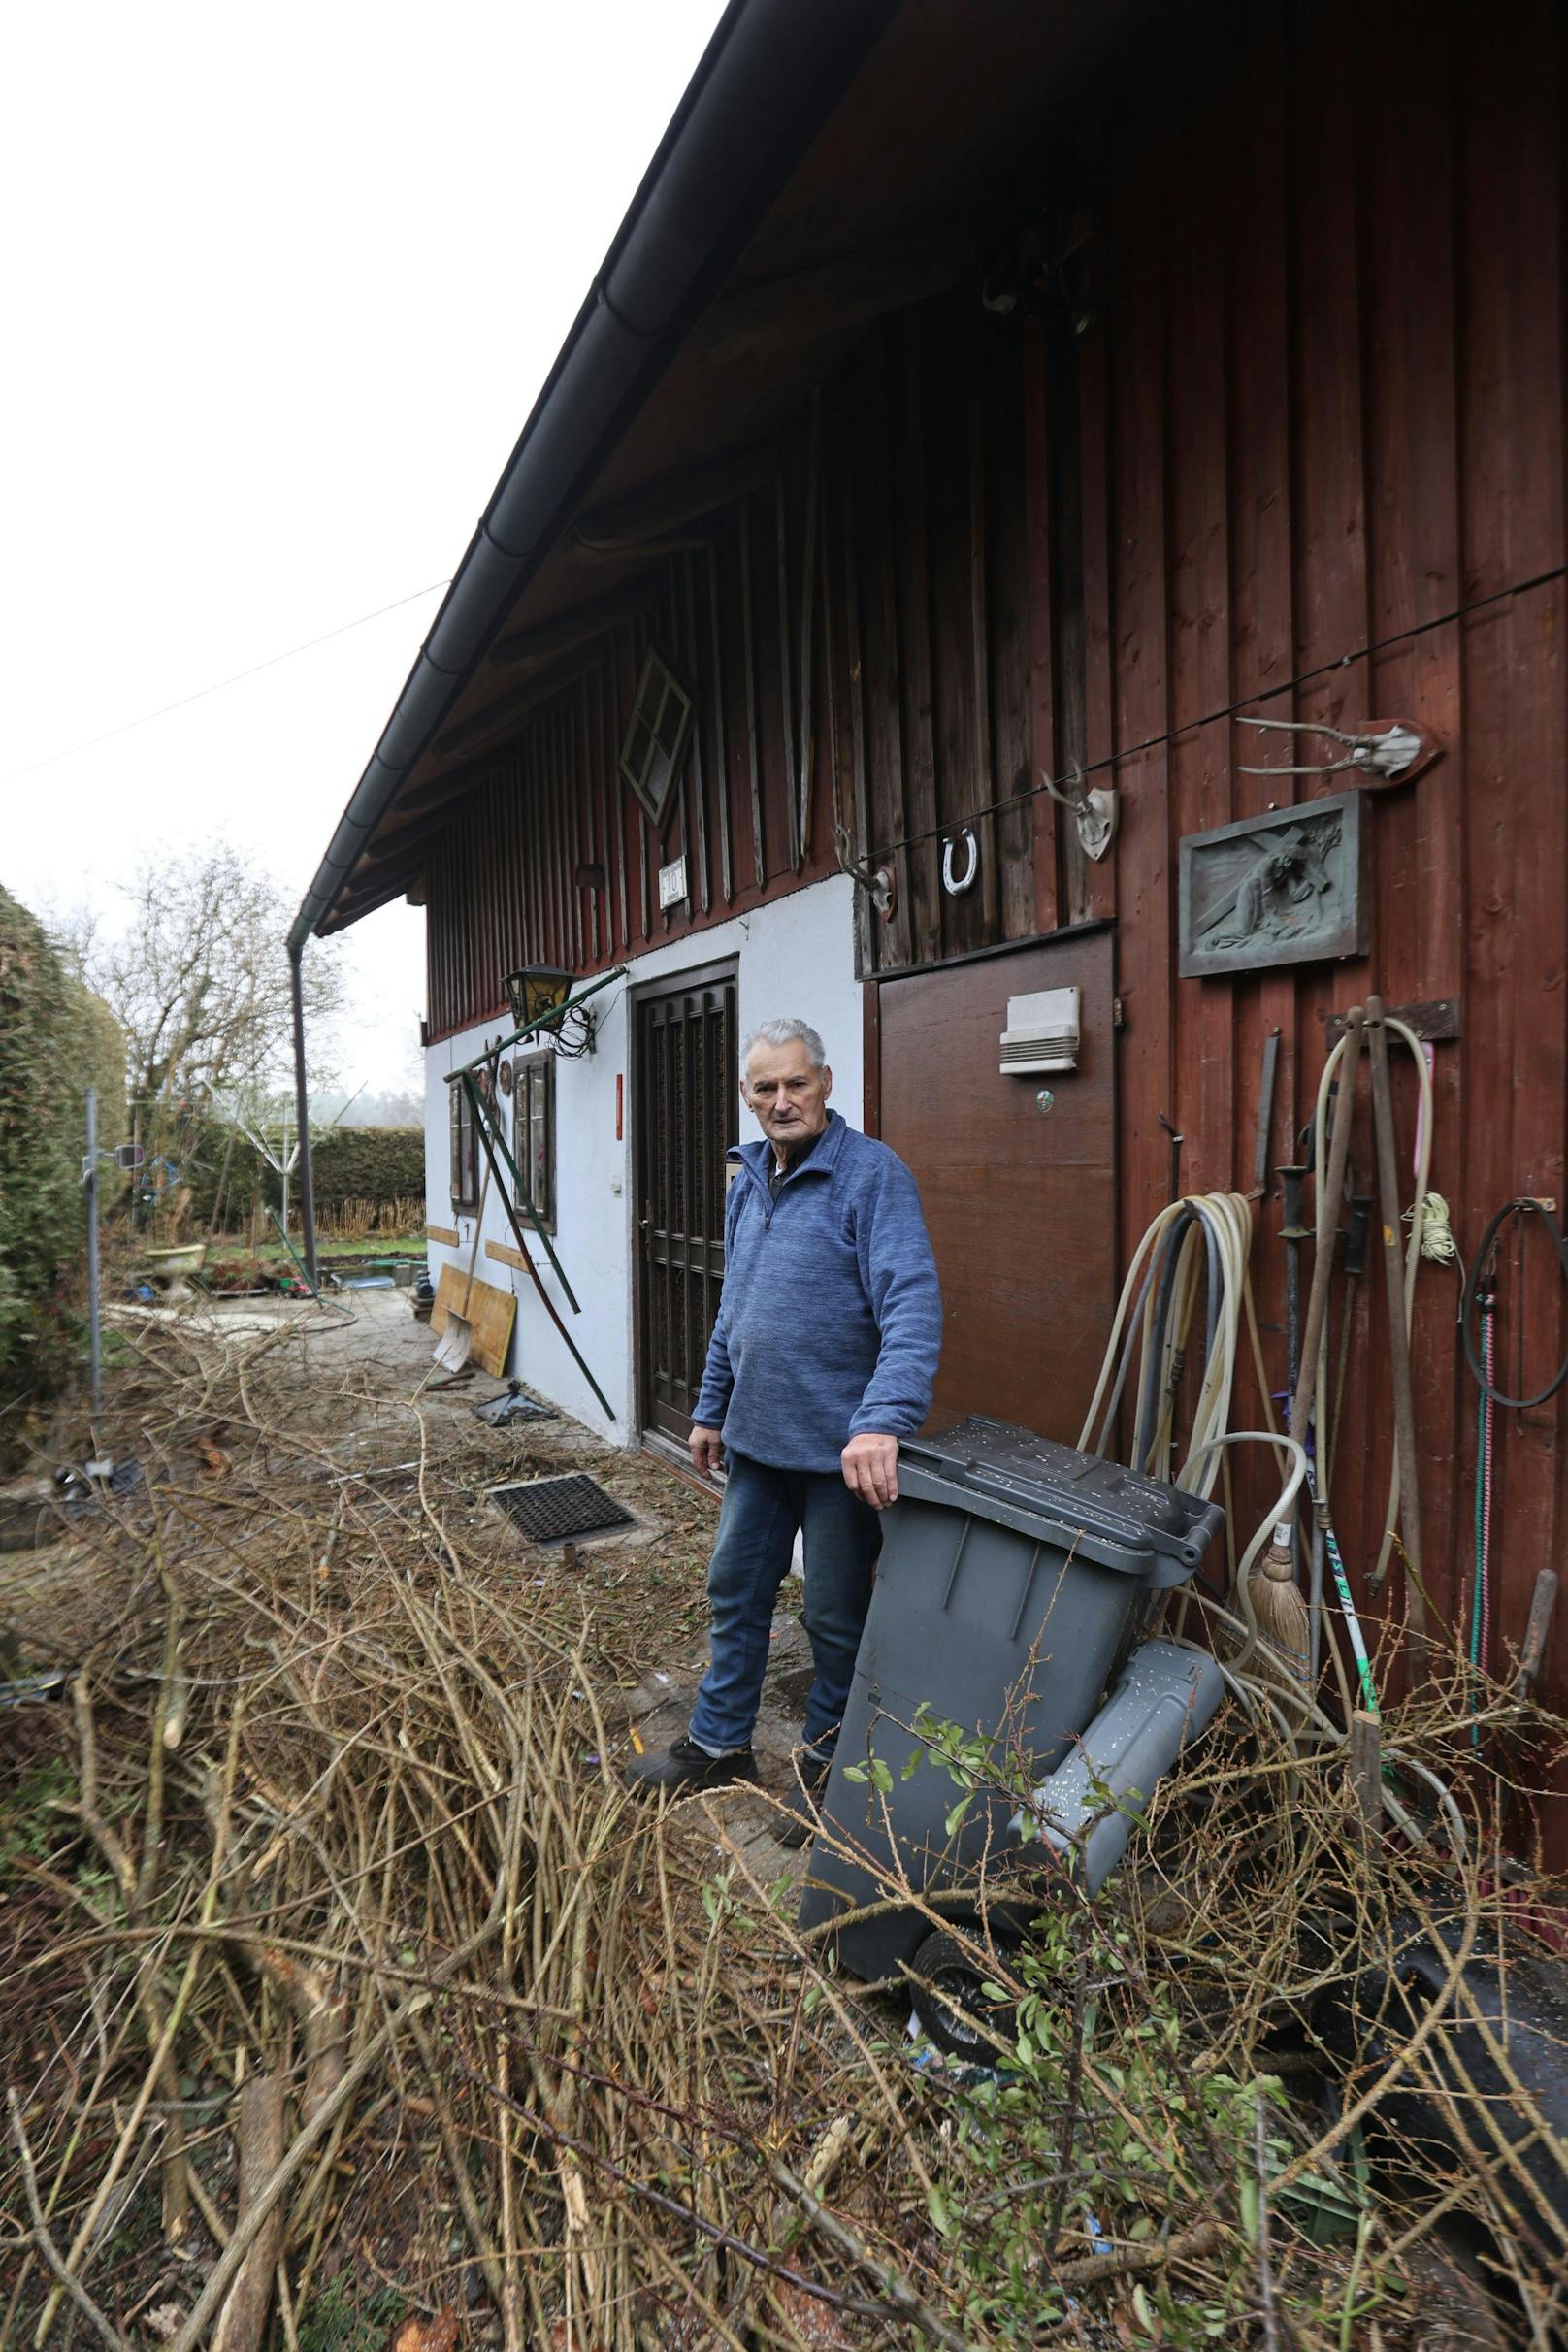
(831, 161)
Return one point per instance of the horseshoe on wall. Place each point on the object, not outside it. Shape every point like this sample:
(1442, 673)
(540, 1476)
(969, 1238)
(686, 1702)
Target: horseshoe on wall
(955, 884)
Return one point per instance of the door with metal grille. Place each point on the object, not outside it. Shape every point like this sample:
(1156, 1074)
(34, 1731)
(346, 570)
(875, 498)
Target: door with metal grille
(685, 1106)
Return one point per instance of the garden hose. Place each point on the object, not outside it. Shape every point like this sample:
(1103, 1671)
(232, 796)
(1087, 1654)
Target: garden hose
(1478, 1329)
(1480, 1267)
(1213, 1232)
(1413, 1255)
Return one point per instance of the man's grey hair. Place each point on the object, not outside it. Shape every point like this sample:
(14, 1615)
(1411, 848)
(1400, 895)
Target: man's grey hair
(785, 1033)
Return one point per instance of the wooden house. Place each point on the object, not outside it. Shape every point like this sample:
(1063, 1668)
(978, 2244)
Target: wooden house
(982, 396)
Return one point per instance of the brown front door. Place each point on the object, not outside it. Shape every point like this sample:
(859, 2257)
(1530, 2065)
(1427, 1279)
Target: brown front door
(685, 1105)
(1021, 1201)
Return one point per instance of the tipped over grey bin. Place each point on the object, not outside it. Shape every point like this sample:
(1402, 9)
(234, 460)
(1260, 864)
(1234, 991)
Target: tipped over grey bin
(1008, 1599)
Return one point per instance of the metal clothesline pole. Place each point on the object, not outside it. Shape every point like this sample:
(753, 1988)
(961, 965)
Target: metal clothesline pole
(94, 1319)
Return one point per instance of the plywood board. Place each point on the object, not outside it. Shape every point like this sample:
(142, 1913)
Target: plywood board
(504, 1254)
(490, 1310)
(443, 1234)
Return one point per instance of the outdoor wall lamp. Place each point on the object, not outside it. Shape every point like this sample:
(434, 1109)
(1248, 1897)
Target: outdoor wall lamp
(533, 991)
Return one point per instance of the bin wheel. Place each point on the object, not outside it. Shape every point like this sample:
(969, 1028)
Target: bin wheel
(951, 2002)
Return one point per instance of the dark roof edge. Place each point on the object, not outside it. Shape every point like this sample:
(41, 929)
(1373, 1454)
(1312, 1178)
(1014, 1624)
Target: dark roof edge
(764, 86)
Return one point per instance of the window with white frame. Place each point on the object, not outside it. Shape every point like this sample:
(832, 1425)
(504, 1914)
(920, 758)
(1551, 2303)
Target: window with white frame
(657, 735)
(465, 1149)
(534, 1131)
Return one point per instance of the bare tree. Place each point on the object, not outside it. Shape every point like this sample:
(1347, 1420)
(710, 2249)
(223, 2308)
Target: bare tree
(199, 980)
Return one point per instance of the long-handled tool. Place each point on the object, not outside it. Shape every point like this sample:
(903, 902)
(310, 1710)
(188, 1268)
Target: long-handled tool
(1404, 1403)
(456, 1343)
(1312, 1338)
(1322, 1264)
(1293, 1232)
(1355, 1266)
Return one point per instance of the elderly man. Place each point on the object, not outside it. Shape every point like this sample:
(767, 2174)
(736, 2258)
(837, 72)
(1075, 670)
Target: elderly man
(822, 1358)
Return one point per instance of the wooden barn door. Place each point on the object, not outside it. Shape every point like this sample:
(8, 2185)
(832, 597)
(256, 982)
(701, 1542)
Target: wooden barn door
(685, 1106)
(1021, 1201)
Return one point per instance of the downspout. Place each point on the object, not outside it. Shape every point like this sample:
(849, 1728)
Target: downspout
(302, 1107)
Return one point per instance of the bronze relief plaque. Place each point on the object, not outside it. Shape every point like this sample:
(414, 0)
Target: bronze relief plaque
(1290, 887)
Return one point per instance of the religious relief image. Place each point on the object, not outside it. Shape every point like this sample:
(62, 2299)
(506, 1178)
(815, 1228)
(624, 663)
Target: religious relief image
(1288, 888)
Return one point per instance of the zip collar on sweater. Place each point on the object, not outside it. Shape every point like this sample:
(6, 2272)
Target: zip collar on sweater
(753, 1157)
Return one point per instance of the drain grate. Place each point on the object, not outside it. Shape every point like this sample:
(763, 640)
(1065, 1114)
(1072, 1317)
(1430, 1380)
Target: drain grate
(550, 1509)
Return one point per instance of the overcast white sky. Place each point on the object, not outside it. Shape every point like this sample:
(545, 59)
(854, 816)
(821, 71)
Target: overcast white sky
(279, 288)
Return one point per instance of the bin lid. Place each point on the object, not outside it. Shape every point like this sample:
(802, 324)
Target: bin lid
(1013, 1469)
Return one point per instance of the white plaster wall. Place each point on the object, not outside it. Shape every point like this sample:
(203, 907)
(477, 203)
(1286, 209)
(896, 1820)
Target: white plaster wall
(795, 958)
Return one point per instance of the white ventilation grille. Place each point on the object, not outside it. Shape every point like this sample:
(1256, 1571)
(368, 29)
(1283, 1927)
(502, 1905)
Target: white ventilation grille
(1042, 1032)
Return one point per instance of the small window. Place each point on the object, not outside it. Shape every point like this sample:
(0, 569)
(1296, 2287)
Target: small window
(534, 1136)
(656, 738)
(465, 1149)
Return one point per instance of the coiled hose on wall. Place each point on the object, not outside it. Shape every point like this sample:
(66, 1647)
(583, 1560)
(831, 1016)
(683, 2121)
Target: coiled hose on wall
(1211, 1236)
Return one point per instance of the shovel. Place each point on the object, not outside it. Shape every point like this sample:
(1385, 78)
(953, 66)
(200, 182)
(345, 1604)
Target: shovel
(453, 1348)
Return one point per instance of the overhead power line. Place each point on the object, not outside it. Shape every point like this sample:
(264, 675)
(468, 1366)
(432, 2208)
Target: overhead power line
(219, 685)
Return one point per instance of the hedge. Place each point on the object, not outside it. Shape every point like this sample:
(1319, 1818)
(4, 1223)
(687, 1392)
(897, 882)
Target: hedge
(382, 1165)
(56, 1040)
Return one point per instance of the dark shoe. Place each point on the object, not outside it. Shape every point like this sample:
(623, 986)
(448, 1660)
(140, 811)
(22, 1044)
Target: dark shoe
(804, 1817)
(685, 1769)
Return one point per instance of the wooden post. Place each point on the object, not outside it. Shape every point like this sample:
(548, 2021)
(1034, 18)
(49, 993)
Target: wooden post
(243, 2320)
(1366, 1770)
(1543, 1600)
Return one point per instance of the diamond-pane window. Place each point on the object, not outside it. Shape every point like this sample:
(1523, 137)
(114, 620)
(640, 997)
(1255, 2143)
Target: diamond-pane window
(656, 738)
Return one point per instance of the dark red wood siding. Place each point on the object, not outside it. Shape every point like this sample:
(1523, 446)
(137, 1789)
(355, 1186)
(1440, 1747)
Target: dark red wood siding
(548, 857)
(1286, 435)
(1306, 456)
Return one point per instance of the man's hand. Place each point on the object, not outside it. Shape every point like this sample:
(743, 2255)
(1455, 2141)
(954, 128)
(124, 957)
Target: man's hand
(872, 1469)
(706, 1449)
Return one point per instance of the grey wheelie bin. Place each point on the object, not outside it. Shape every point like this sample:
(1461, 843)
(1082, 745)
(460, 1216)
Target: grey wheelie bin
(1009, 1597)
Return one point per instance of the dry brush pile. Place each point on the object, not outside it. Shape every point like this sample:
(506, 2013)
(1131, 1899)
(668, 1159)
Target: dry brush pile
(343, 1988)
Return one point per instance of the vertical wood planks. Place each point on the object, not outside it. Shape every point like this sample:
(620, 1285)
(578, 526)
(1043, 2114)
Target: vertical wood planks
(1259, 393)
(878, 557)
(982, 767)
(922, 862)
(1207, 1079)
(1513, 528)
(943, 590)
(1037, 511)
(1412, 469)
(1146, 965)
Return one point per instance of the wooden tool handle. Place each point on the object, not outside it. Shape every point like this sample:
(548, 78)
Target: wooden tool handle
(1322, 1264)
(1542, 1603)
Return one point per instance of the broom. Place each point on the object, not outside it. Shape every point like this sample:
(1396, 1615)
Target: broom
(1277, 1607)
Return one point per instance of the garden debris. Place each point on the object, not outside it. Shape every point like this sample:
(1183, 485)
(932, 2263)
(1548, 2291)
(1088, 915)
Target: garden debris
(372, 1985)
(513, 1405)
(32, 1689)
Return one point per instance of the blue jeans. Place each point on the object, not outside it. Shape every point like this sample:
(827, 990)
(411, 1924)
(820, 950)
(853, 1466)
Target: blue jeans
(763, 1507)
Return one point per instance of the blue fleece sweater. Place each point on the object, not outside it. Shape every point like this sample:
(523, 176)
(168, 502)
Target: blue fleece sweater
(831, 1319)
